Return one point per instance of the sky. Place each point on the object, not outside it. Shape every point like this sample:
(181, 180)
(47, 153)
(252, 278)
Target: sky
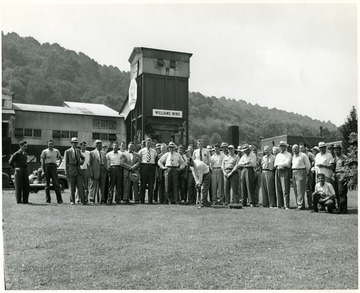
(300, 58)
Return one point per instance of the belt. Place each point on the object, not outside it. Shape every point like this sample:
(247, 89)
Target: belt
(206, 174)
(228, 169)
(249, 167)
(115, 166)
(147, 164)
(267, 170)
(50, 164)
(216, 167)
(298, 168)
(175, 167)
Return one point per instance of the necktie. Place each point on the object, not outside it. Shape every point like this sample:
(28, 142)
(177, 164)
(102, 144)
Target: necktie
(201, 158)
(75, 156)
(148, 156)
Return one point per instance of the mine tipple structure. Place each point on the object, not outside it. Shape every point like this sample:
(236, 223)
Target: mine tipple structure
(162, 101)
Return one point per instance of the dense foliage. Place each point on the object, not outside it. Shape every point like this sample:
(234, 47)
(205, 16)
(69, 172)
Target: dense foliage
(49, 74)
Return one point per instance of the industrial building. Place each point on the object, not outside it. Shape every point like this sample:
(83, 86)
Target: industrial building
(158, 105)
(39, 123)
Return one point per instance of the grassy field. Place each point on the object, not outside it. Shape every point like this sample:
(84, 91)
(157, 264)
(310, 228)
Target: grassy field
(176, 247)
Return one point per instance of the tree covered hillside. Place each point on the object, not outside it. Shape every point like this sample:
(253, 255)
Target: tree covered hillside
(50, 74)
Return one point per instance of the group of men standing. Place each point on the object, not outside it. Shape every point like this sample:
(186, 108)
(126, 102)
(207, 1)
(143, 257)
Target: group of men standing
(214, 175)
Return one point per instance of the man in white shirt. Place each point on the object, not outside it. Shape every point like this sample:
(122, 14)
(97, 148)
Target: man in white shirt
(247, 180)
(324, 194)
(171, 163)
(324, 163)
(201, 173)
(300, 169)
(147, 171)
(282, 176)
(201, 153)
(217, 177)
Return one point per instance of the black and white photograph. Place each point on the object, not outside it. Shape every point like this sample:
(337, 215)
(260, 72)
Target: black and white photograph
(167, 145)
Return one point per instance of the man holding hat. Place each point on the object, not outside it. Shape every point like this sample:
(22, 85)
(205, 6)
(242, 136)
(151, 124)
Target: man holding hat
(131, 163)
(98, 173)
(300, 168)
(231, 179)
(73, 161)
(157, 169)
(282, 176)
(190, 177)
(324, 194)
(247, 180)
(340, 183)
(171, 163)
(268, 179)
(147, 171)
(217, 177)
(324, 163)
(183, 176)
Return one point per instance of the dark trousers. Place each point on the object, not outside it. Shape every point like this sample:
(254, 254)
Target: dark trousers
(341, 193)
(161, 187)
(22, 187)
(172, 184)
(190, 188)
(116, 179)
(51, 173)
(147, 176)
(247, 180)
(76, 182)
(182, 184)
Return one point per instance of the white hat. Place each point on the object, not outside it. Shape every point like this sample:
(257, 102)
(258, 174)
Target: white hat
(74, 139)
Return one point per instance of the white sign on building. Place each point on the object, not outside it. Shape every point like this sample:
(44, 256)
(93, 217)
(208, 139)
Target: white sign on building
(167, 113)
(132, 94)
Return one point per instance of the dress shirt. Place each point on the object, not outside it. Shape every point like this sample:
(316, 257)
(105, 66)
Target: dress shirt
(171, 160)
(324, 159)
(86, 155)
(50, 157)
(199, 170)
(229, 162)
(301, 161)
(283, 160)
(205, 154)
(114, 159)
(267, 162)
(143, 154)
(326, 190)
(216, 160)
(248, 160)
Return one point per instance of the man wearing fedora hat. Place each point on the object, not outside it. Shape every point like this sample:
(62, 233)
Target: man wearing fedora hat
(190, 182)
(202, 153)
(97, 173)
(171, 163)
(340, 182)
(282, 176)
(183, 176)
(247, 163)
(73, 160)
(157, 181)
(224, 148)
(231, 179)
(268, 179)
(324, 163)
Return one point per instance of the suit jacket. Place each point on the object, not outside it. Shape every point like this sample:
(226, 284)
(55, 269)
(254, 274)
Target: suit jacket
(73, 162)
(128, 163)
(95, 162)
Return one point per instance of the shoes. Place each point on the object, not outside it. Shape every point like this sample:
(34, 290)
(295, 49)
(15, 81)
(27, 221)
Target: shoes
(252, 205)
(118, 202)
(84, 203)
(72, 203)
(286, 208)
(314, 211)
(48, 202)
(322, 209)
(60, 202)
(137, 201)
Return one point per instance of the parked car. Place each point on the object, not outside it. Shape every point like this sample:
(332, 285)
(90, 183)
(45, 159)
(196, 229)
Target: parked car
(36, 185)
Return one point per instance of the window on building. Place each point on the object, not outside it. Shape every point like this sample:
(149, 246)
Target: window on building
(19, 132)
(112, 124)
(37, 132)
(104, 136)
(95, 135)
(160, 63)
(105, 124)
(56, 134)
(73, 133)
(172, 64)
(112, 137)
(96, 123)
(28, 132)
(65, 134)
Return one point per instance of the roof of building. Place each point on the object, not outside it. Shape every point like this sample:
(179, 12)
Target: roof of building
(70, 108)
(142, 50)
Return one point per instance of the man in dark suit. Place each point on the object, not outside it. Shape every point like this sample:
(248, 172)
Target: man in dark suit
(73, 160)
(18, 162)
(131, 163)
(97, 172)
